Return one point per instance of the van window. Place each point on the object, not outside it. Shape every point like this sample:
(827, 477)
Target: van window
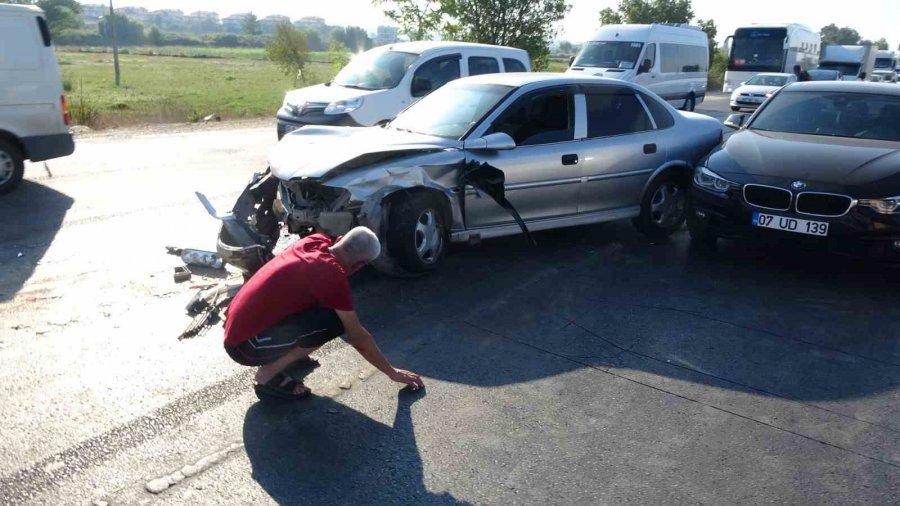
(45, 31)
(615, 112)
(513, 65)
(541, 118)
(483, 65)
(23, 36)
(649, 59)
(659, 112)
(434, 74)
(683, 58)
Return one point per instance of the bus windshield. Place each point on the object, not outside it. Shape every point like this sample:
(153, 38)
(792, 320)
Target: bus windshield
(758, 50)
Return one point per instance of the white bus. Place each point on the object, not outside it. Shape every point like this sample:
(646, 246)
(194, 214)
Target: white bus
(769, 48)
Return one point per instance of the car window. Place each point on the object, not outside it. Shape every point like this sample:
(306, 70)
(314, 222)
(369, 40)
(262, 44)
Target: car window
(540, 118)
(483, 65)
(513, 65)
(434, 74)
(859, 115)
(615, 112)
(660, 114)
(649, 58)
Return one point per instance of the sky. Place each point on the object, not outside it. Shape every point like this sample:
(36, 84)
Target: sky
(872, 18)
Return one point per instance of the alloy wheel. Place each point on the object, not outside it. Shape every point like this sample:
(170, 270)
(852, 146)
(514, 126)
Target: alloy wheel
(667, 205)
(429, 237)
(7, 167)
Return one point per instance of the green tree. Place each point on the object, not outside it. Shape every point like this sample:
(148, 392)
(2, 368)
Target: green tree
(314, 41)
(525, 24)
(288, 50)
(61, 14)
(354, 38)
(155, 37)
(648, 11)
(709, 26)
(882, 44)
(339, 55)
(128, 31)
(250, 25)
(418, 19)
(831, 34)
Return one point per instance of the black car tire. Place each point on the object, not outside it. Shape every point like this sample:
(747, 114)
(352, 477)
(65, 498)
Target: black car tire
(735, 109)
(12, 166)
(690, 103)
(417, 235)
(657, 219)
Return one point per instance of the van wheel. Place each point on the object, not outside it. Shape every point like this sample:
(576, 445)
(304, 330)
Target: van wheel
(12, 166)
(663, 207)
(690, 103)
(417, 234)
(735, 109)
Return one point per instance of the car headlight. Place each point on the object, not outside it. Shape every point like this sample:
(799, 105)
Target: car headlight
(882, 206)
(344, 106)
(709, 180)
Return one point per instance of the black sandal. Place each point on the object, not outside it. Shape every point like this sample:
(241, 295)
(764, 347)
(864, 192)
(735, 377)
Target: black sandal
(280, 387)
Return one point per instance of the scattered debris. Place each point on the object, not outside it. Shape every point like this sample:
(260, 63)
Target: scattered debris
(79, 129)
(197, 257)
(47, 168)
(212, 117)
(42, 330)
(345, 385)
(182, 273)
(19, 255)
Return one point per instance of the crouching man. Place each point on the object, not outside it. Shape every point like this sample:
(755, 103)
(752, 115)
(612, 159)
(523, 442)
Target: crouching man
(297, 302)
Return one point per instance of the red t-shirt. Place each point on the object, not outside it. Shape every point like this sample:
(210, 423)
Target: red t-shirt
(304, 276)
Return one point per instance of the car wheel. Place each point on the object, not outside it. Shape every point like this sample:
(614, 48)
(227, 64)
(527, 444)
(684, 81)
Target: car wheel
(417, 235)
(663, 208)
(690, 103)
(735, 109)
(12, 166)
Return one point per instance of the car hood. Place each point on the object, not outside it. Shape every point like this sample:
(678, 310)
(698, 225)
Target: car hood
(756, 88)
(779, 158)
(323, 94)
(318, 151)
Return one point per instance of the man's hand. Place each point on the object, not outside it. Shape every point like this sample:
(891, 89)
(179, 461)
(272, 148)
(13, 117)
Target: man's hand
(410, 378)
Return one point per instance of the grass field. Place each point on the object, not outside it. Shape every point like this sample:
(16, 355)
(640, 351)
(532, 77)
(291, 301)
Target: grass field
(181, 84)
(163, 89)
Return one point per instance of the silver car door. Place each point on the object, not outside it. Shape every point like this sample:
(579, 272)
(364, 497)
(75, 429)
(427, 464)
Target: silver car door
(542, 172)
(621, 149)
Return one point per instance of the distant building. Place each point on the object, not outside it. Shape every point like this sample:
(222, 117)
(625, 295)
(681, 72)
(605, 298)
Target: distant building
(232, 24)
(136, 13)
(386, 35)
(203, 22)
(91, 14)
(310, 23)
(167, 19)
(268, 24)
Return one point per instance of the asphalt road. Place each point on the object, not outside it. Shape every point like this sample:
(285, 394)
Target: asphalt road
(596, 367)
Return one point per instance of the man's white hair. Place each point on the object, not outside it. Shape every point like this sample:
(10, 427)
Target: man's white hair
(360, 244)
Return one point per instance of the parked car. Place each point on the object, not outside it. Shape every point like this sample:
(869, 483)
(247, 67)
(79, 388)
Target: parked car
(465, 162)
(825, 75)
(34, 117)
(671, 61)
(818, 163)
(754, 92)
(383, 81)
(883, 76)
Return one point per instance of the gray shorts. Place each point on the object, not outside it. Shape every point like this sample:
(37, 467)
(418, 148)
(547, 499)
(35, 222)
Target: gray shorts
(309, 329)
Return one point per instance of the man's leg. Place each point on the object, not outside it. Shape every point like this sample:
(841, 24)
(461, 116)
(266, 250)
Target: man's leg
(266, 372)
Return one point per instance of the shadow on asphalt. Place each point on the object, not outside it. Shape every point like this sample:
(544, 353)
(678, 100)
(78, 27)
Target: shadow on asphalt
(31, 217)
(771, 320)
(322, 452)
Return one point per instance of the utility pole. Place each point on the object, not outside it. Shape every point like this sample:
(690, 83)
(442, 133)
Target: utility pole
(112, 33)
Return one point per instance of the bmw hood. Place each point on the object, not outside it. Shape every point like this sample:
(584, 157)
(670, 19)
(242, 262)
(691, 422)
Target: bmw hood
(317, 151)
(781, 157)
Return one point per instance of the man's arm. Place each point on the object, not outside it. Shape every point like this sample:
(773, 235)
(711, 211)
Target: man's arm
(364, 343)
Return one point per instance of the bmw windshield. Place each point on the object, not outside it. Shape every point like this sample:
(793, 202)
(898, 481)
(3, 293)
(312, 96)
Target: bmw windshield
(856, 115)
(375, 70)
(451, 110)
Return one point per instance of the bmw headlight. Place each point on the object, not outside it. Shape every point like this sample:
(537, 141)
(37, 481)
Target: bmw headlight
(709, 180)
(883, 206)
(344, 106)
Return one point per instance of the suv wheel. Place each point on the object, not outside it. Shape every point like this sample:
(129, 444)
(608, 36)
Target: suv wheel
(663, 207)
(417, 235)
(12, 166)
(690, 103)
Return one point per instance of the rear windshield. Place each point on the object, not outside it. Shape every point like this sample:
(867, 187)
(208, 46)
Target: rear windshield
(856, 115)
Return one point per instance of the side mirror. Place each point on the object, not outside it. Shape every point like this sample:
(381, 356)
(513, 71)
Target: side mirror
(420, 87)
(571, 60)
(736, 121)
(493, 142)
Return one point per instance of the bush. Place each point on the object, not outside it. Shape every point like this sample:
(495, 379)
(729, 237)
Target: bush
(78, 38)
(288, 50)
(716, 75)
(223, 40)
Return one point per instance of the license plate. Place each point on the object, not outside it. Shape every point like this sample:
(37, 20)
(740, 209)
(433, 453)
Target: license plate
(795, 225)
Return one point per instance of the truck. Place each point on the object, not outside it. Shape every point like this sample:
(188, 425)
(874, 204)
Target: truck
(856, 63)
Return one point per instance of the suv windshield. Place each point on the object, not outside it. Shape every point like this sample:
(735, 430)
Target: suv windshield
(768, 80)
(858, 115)
(378, 70)
(609, 54)
(451, 110)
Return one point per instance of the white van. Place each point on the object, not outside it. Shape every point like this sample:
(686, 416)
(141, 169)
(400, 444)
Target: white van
(34, 117)
(669, 60)
(378, 84)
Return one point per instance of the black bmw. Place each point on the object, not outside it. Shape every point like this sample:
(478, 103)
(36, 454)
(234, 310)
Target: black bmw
(819, 163)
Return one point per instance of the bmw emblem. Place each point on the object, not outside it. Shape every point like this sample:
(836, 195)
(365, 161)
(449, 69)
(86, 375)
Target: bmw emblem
(798, 185)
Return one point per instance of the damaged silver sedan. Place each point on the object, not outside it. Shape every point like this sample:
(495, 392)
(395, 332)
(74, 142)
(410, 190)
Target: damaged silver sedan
(481, 157)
